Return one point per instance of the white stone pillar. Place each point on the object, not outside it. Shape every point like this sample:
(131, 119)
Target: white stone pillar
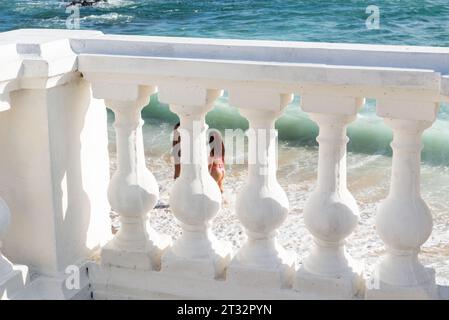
(54, 164)
(12, 278)
(331, 213)
(403, 221)
(133, 190)
(195, 198)
(262, 205)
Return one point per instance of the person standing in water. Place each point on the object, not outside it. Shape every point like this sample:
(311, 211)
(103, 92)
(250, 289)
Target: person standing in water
(176, 150)
(216, 163)
(216, 158)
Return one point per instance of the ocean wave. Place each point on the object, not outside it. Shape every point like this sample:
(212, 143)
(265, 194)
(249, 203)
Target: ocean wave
(115, 4)
(29, 5)
(86, 21)
(53, 22)
(368, 134)
(107, 17)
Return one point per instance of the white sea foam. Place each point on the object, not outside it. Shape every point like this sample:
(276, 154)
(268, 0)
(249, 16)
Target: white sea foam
(107, 17)
(115, 3)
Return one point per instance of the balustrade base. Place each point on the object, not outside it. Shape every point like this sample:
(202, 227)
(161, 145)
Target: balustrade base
(12, 283)
(380, 290)
(347, 286)
(147, 259)
(212, 267)
(279, 276)
(110, 282)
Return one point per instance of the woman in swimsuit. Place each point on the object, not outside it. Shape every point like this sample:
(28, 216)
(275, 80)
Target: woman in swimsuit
(176, 150)
(216, 158)
(216, 163)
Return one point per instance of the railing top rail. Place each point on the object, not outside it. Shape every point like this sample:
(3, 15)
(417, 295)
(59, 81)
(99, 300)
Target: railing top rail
(434, 58)
(369, 55)
(225, 73)
(406, 67)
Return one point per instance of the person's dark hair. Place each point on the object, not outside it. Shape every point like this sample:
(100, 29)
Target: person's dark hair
(214, 144)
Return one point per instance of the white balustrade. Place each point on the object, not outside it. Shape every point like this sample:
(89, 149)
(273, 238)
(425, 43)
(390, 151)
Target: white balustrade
(133, 190)
(195, 198)
(404, 222)
(262, 205)
(331, 212)
(69, 77)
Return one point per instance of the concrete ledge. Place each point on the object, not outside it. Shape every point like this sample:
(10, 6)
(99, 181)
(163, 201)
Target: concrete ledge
(121, 283)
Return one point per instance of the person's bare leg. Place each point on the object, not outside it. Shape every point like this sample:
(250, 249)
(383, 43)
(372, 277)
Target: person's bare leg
(220, 182)
(218, 175)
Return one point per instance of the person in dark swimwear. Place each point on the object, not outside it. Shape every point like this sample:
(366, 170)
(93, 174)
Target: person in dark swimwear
(216, 163)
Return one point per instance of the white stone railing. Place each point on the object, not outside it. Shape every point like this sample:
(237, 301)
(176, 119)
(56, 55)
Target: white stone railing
(54, 86)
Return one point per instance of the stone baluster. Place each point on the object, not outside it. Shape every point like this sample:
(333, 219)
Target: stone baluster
(262, 205)
(331, 213)
(13, 278)
(133, 190)
(403, 221)
(195, 198)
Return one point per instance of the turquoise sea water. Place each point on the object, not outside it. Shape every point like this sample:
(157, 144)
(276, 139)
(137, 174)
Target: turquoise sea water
(413, 22)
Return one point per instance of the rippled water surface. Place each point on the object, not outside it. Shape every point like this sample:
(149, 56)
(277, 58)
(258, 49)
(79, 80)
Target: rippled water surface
(415, 22)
